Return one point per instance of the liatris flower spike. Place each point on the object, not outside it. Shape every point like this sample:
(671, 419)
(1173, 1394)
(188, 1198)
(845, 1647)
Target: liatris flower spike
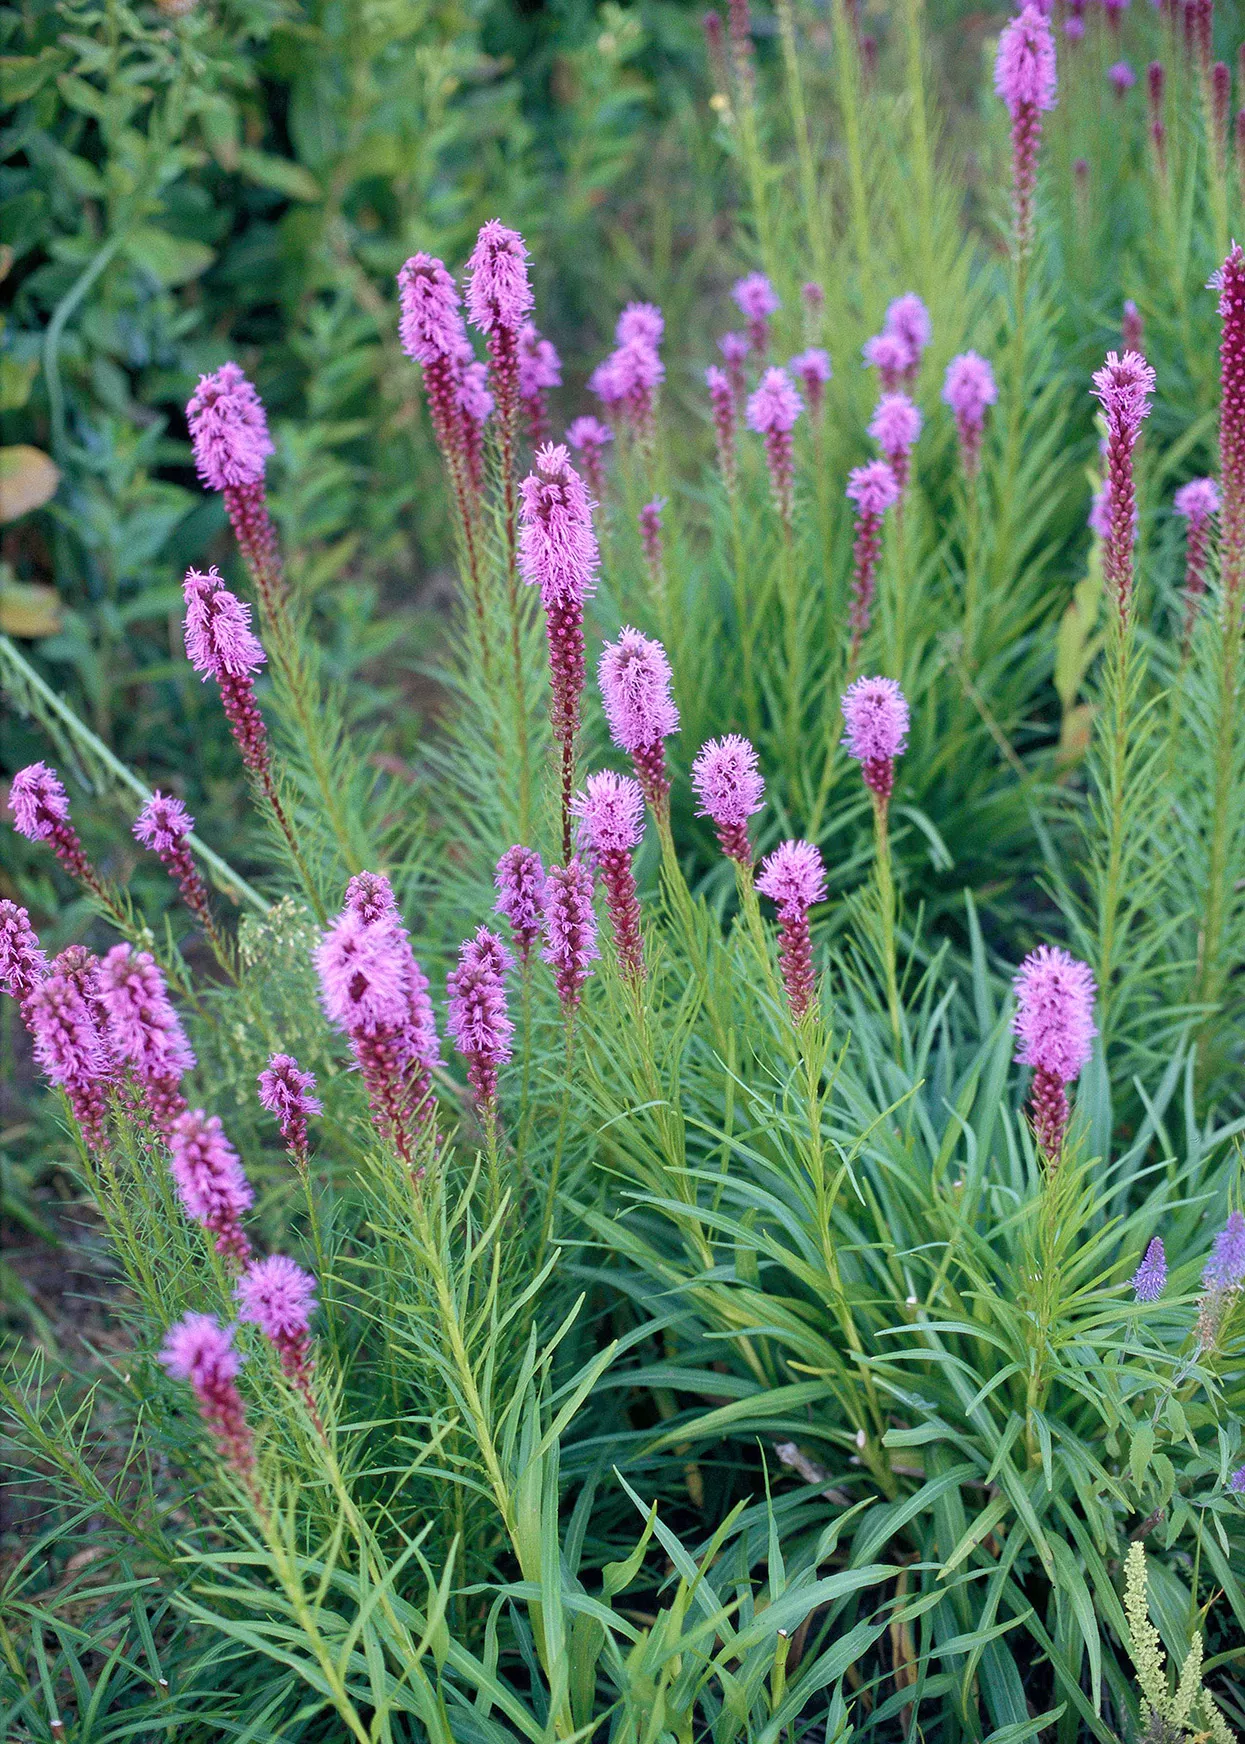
(731, 789)
(1229, 281)
(221, 645)
(540, 369)
(210, 1181)
(875, 711)
(794, 877)
(873, 489)
(1198, 503)
(895, 426)
(431, 332)
(772, 412)
(634, 675)
(478, 1021)
(734, 349)
(69, 1048)
(1132, 327)
(1122, 78)
(229, 435)
(612, 807)
(812, 370)
(286, 1091)
(1024, 77)
(499, 301)
(200, 1350)
(969, 389)
(475, 406)
(907, 319)
(570, 931)
(651, 542)
(40, 808)
(1150, 1278)
(757, 300)
(1054, 1029)
(280, 1298)
(521, 891)
(640, 324)
(1122, 387)
(722, 405)
(144, 1030)
(1225, 1269)
(23, 963)
(163, 825)
(589, 438)
(889, 355)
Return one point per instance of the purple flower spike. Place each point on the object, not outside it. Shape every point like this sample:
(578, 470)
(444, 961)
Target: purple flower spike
(734, 349)
(23, 964)
(589, 437)
(478, 1021)
(794, 877)
(772, 412)
(163, 826)
(1123, 387)
(1198, 503)
(540, 369)
(200, 1350)
(286, 1091)
(280, 1298)
(430, 322)
(228, 430)
(812, 370)
(907, 319)
(722, 403)
(521, 890)
(210, 1181)
(895, 426)
(1024, 77)
(499, 293)
(222, 645)
(635, 679)
(1225, 1269)
(1054, 1029)
(873, 489)
(612, 807)
(891, 357)
(1150, 1278)
(731, 789)
(640, 324)
(71, 1051)
(1229, 281)
(570, 931)
(1236, 1482)
(40, 808)
(875, 712)
(1122, 78)
(144, 1029)
(757, 300)
(969, 389)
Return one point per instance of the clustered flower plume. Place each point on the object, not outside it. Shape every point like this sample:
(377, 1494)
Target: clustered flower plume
(812, 370)
(558, 554)
(373, 989)
(731, 789)
(969, 389)
(772, 412)
(1198, 503)
(873, 489)
(1054, 1030)
(1122, 387)
(163, 825)
(279, 1297)
(589, 438)
(722, 405)
(570, 930)
(521, 893)
(887, 353)
(229, 436)
(200, 1350)
(40, 808)
(1132, 327)
(1150, 1278)
(1024, 77)
(896, 351)
(1229, 281)
(70, 1048)
(210, 1181)
(757, 300)
(499, 301)
(540, 368)
(653, 546)
(612, 809)
(895, 426)
(794, 877)
(286, 1091)
(875, 712)
(734, 349)
(1223, 1278)
(144, 1029)
(628, 380)
(635, 678)
(221, 645)
(432, 332)
(1122, 77)
(478, 1021)
(23, 962)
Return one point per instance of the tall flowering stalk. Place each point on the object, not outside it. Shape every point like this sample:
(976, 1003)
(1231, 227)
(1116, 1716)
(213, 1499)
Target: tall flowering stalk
(1025, 78)
(794, 878)
(772, 412)
(722, 408)
(731, 789)
(875, 715)
(286, 1092)
(164, 826)
(1150, 1279)
(1054, 1030)
(612, 809)
(970, 390)
(734, 350)
(558, 554)
(589, 437)
(873, 489)
(635, 678)
(570, 931)
(40, 808)
(521, 897)
(812, 369)
(1197, 503)
(478, 1020)
(895, 426)
(23, 961)
(201, 1351)
(279, 1297)
(211, 1182)
(1229, 281)
(145, 1031)
(757, 301)
(540, 369)
(1122, 387)
(72, 1052)
(229, 436)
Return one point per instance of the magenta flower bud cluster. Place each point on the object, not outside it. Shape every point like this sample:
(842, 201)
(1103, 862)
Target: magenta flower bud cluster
(40, 808)
(210, 1181)
(1054, 1030)
(1150, 1278)
(757, 301)
(875, 715)
(772, 413)
(1198, 503)
(1025, 78)
(628, 380)
(734, 350)
(540, 370)
(201, 1351)
(432, 332)
(221, 645)
(1229, 281)
(589, 437)
(478, 1021)
(286, 1091)
(896, 351)
(570, 930)
(70, 1048)
(23, 962)
(873, 489)
(635, 679)
(794, 878)
(612, 809)
(521, 896)
(731, 789)
(812, 370)
(163, 826)
(229, 436)
(969, 388)
(1122, 387)
(279, 1297)
(895, 426)
(144, 1029)
(722, 406)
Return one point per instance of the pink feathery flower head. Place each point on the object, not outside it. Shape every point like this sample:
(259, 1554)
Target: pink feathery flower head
(163, 825)
(285, 1090)
(895, 426)
(1074, 26)
(757, 300)
(477, 1019)
(907, 319)
(612, 808)
(969, 388)
(873, 489)
(722, 403)
(635, 679)
(634, 373)
(589, 437)
(1198, 503)
(370, 896)
(640, 324)
(363, 967)
(219, 638)
(794, 878)
(1054, 1029)
(891, 357)
(1025, 78)
(521, 894)
(731, 789)
(540, 369)
(430, 323)
(1122, 77)
(280, 1297)
(875, 712)
(607, 383)
(1123, 387)
(812, 370)
(499, 293)
(1150, 1278)
(228, 429)
(772, 412)
(475, 407)
(23, 963)
(557, 546)
(570, 930)
(144, 1029)
(210, 1180)
(69, 1048)
(200, 1350)
(1229, 281)
(1198, 500)
(1225, 1269)
(734, 349)
(40, 808)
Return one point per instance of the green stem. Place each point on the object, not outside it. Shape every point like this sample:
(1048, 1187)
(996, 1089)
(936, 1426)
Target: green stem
(886, 905)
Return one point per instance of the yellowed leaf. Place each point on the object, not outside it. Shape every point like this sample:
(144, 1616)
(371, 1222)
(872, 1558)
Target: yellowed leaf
(28, 608)
(28, 479)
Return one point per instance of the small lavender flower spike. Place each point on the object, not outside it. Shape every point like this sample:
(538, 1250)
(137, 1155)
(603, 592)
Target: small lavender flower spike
(794, 877)
(1236, 1482)
(1025, 78)
(499, 301)
(612, 807)
(521, 895)
(1225, 1269)
(873, 490)
(890, 356)
(969, 389)
(1132, 327)
(1150, 1278)
(1122, 78)
(71, 1051)
(280, 1298)
(200, 1350)
(221, 645)
(734, 349)
(875, 712)
(722, 401)
(895, 426)
(589, 437)
(1054, 1029)
(731, 789)
(653, 545)
(570, 931)
(285, 1090)
(772, 412)
(431, 332)
(1229, 281)
(1122, 387)
(635, 679)
(145, 1030)
(23, 963)
(40, 808)
(478, 1021)
(640, 324)
(210, 1181)
(757, 300)
(540, 369)
(1198, 503)
(907, 319)
(163, 826)
(229, 435)
(812, 370)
